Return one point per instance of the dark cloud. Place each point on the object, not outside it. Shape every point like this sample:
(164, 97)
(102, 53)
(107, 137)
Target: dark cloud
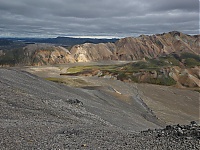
(97, 17)
(168, 5)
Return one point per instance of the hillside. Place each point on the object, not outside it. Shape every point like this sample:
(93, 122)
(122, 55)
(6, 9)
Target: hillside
(180, 70)
(138, 48)
(39, 114)
(35, 55)
(125, 91)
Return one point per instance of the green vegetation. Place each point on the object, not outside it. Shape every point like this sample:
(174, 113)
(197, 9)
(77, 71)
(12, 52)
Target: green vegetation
(158, 63)
(57, 80)
(173, 61)
(122, 76)
(190, 55)
(7, 59)
(188, 59)
(148, 71)
(197, 90)
(127, 71)
(12, 57)
(191, 62)
(79, 69)
(168, 81)
(140, 65)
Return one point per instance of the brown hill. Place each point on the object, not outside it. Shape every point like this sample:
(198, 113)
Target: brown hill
(39, 55)
(36, 55)
(138, 48)
(94, 52)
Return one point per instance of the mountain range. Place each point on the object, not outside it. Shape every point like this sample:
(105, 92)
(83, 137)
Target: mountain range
(128, 49)
(138, 48)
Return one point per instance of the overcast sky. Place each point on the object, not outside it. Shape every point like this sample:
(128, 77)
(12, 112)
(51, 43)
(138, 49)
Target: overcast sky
(111, 18)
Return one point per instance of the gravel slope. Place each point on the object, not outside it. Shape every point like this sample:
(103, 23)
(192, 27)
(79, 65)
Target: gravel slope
(38, 114)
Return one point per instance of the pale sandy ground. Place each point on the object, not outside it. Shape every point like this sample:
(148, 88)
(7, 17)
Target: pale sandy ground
(172, 105)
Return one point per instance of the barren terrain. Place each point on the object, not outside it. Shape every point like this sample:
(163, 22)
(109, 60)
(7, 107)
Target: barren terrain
(92, 112)
(171, 105)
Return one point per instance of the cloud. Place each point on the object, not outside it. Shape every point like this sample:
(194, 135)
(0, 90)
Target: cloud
(50, 18)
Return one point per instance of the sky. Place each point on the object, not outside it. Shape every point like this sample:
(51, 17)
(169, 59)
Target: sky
(97, 18)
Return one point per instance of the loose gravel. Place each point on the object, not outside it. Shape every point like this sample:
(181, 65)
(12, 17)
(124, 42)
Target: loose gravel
(38, 114)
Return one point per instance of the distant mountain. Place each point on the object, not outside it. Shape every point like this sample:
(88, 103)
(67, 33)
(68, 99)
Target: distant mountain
(66, 41)
(129, 49)
(4, 42)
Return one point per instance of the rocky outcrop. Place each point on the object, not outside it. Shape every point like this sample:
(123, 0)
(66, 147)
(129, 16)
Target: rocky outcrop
(186, 77)
(93, 52)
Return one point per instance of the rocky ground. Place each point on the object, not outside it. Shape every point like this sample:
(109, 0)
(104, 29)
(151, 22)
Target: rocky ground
(39, 114)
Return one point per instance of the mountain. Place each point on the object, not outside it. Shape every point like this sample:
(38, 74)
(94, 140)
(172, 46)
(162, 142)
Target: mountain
(128, 49)
(64, 41)
(36, 55)
(94, 52)
(43, 54)
(138, 48)
(4, 42)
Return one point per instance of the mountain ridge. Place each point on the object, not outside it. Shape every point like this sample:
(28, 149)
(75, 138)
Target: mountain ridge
(143, 46)
(129, 49)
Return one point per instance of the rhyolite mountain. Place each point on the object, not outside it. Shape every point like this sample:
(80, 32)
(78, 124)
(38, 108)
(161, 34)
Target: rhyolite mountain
(35, 55)
(138, 48)
(129, 49)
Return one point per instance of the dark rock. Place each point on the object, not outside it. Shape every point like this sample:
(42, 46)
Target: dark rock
(168, 127)
(75, 101)
(180, 132)
(193, 123)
